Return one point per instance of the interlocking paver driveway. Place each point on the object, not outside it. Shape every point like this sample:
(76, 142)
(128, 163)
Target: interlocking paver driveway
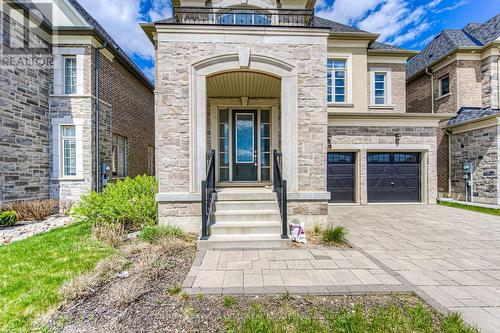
(453, 255)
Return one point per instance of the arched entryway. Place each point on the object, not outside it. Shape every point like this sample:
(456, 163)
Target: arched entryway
(246, 94)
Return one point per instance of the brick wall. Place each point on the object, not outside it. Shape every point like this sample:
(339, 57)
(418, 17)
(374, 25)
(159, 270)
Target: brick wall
(24, 119)
(442, 162)
(489, 86)
(132, 112)
(479, 146)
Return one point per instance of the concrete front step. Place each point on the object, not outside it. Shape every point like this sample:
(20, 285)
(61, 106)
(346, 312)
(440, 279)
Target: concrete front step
(246, 216)
(246, 228)
(249, 195)
(244, 242)
(246, 205)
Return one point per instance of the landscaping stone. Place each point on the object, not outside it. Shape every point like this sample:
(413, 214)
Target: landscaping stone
(25, 229)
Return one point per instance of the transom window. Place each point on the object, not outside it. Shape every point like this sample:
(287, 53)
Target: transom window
(336, 80)
(444, 85)
(68, 138)
(70, 75)
(380, 88)
(119, 156)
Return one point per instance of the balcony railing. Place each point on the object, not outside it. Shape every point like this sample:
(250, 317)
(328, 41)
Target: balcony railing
(243, 16)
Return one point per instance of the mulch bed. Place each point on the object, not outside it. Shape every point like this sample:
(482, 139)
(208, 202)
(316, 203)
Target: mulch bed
(143, 302)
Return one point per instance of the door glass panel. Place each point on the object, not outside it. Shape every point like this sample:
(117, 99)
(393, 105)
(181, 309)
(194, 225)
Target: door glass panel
(224, 145)
(265, 145)
(244, 138)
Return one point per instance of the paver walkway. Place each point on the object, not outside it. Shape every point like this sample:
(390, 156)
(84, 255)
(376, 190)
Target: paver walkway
(297, 271)
(450, 254)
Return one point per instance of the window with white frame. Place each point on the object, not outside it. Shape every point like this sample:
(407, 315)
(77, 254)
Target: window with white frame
(337, 81)
(151, 160)
(68, 146)
(119, 156)
(69, 74)
(380, 88)
(444, 85)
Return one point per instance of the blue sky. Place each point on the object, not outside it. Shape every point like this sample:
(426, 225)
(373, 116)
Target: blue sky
(406, 23)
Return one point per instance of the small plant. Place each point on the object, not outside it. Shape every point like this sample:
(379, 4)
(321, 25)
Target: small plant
(229, 301)
(335, 235)
(184, 296)
(129, 202)
(174, 290)
(453, 323)
(317, 228)
(32, 210)
(154, 234)
(189, 310)
(8, 218)
(200, 296)
(112, 234)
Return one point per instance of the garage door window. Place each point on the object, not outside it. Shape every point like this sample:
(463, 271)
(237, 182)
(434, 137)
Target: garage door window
(341, 177)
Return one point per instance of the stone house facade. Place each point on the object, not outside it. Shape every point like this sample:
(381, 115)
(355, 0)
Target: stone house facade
(244, 80)
(458, 72)
(49, 106)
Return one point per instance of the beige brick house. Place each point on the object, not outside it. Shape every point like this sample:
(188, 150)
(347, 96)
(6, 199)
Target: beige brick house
(458, 73)
(251, 93)
(51, 95)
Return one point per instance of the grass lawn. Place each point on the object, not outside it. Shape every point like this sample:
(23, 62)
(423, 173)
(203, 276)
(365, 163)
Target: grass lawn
(33, 270)
(490, 211)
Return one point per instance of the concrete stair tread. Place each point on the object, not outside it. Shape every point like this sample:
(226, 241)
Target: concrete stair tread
(259, 237)
(249, 224)
(246, 212)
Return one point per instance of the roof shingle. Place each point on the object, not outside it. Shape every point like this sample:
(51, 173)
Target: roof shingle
(466, 114)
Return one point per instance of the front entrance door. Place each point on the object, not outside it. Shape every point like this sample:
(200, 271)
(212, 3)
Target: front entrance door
(245, 145)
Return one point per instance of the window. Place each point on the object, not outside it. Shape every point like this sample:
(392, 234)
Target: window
(119, 156)
(265, 145)
(70, 75)
(68, 145)
(151, 160)
(380, 88)
(243, 17)
(336, 81)
(444, 85)
(224, 145)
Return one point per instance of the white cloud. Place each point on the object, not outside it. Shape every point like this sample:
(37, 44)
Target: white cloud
(397, 21)
(347, 11)
(121, 18)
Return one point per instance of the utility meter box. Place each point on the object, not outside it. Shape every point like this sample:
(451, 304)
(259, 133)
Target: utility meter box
(468, 167)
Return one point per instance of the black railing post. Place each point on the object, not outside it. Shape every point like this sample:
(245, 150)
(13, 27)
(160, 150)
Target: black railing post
(284, 226)
(204, 211)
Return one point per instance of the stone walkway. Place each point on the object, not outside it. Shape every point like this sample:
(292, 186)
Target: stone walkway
(451, 256)
(297, 271)
(27, 229)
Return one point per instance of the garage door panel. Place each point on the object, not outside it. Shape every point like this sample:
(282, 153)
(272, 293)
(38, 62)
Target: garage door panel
(340, 179)
(393, 177)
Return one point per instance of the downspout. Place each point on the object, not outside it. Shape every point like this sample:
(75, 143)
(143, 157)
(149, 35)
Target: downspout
(432, 87)
(448, 133)
(97, 118)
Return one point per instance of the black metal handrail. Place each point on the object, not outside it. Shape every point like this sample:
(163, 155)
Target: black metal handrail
(279, 187)
(244, 16)
(208, 196)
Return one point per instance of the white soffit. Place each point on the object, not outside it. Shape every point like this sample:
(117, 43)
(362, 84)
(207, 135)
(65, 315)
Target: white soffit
(247, 84)
(60, 13)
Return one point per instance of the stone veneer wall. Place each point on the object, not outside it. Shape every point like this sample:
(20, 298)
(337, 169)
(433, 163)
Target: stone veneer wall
(24, 117)
(481, 147)
(173, 62)
(490, 88)
(376, 135)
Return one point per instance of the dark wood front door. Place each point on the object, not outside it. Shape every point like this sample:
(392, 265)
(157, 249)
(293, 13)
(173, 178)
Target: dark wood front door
(244, 145)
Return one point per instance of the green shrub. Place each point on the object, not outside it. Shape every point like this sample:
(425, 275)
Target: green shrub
(229, 301)
(155, 233)
(335, 235)
(8, 218)
(129, 202)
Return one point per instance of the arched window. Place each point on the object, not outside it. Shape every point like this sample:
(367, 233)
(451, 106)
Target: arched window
(243, 17)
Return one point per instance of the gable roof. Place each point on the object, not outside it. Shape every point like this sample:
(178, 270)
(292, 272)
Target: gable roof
(473, 35)
(467, 114)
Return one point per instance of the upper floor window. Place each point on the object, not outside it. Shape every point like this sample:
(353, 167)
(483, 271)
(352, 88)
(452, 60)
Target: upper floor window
(336, 80)
(243, 17)
(70, 75)
(119, 156)
(380, 81)
(444, 85)
(68, 146)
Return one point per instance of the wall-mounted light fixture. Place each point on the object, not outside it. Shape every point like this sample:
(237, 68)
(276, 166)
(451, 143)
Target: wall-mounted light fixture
(397, 137)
